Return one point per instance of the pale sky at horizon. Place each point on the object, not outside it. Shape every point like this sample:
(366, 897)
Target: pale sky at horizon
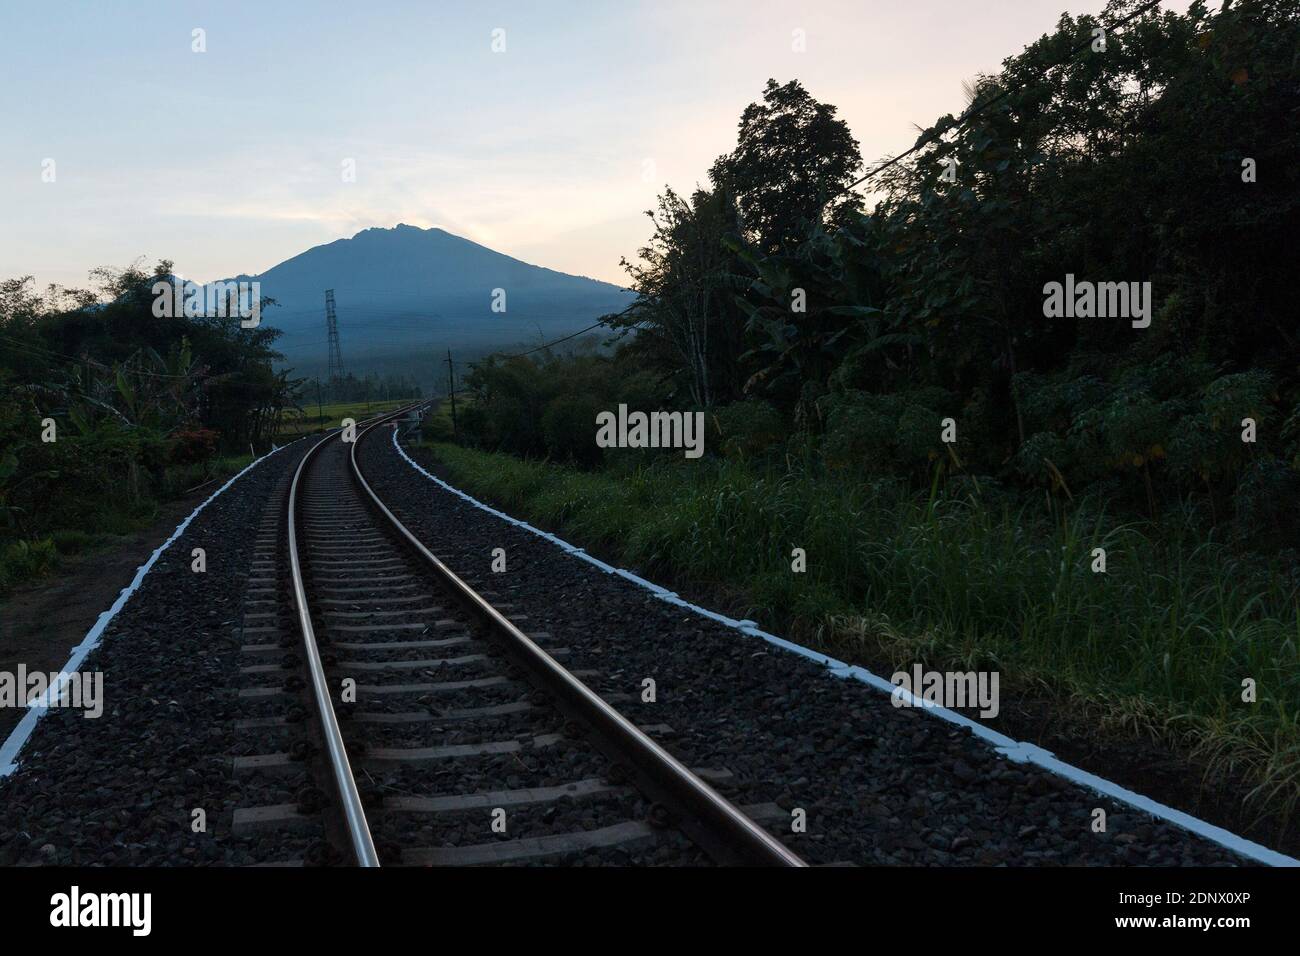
(230, 161)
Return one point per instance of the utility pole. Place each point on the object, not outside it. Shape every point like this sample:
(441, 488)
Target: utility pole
(451, 393)
(320, 410)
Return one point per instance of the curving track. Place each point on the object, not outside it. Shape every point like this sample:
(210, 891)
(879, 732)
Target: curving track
(402, 718)
(447, 735)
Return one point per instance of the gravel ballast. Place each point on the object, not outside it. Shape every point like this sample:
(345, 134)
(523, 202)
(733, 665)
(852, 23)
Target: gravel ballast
(450, 773)
(122, 789)
(876, 784)
(879, 784)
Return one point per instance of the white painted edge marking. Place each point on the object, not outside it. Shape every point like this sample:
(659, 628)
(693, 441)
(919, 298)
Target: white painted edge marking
(19, 735)
(1014, 750)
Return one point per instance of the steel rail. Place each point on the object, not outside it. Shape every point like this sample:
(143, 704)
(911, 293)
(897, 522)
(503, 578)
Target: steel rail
(745, 839)
(354, 814)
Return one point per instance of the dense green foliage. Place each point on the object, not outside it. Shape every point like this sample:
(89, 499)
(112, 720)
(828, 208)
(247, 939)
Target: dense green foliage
(548, 406)
(970, 580)
(835, 350)
(107, 408)
(865, 331)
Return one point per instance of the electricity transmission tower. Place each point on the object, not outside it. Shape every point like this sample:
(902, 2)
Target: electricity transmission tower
(332, 321)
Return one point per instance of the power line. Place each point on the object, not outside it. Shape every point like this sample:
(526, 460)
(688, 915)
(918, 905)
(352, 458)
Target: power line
(976, 110)
(590, 328)
(60, 358)
(414, 313)
(547, 345)
(432, 290)
(544, 345)
(966, 117)
(39, 351)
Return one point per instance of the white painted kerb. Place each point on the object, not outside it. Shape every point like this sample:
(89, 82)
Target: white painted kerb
(19, 735)
(1014, 750)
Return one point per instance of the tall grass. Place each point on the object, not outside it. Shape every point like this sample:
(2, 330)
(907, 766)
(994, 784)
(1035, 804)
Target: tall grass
(1159, 644)
(101, 522)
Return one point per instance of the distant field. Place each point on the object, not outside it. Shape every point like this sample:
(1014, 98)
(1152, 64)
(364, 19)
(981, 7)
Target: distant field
(331, 416)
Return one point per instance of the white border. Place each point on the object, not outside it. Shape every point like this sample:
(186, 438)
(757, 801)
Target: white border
(19, 735)
(1014, 750)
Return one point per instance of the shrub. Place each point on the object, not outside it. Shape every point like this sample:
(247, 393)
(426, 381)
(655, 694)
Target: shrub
(887, 434)
(24, 560)
(569, 429)
(437, 427)
(192, 445)
(72, 541)
(1265, 505)
(748, 429)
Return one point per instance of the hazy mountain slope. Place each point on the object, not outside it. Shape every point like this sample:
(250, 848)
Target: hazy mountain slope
(403, 293)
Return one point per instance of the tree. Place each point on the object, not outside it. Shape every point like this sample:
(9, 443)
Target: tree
(684, 282)
(791, 166)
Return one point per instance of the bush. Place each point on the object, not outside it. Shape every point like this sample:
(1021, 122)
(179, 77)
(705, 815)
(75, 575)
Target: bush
(569, 429)
(192, 445)
(888, 434)
(1265, 505)
(24, 560)
(72, 541)
(748, 429)
(436, 427)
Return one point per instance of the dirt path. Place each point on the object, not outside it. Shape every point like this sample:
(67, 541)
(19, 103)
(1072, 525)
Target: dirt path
(41, 622)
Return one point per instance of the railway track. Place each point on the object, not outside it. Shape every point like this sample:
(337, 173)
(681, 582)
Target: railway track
(443, 734)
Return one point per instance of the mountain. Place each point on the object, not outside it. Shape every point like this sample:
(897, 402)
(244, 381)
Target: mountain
(403, 296)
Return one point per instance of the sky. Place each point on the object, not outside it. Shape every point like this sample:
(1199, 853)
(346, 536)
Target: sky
(232, 159)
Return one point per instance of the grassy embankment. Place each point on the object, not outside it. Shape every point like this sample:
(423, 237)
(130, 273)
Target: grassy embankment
(1158, 645)
(100, 525)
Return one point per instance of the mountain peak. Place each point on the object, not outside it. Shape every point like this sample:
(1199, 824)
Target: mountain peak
(405, 290)
(400, 229)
